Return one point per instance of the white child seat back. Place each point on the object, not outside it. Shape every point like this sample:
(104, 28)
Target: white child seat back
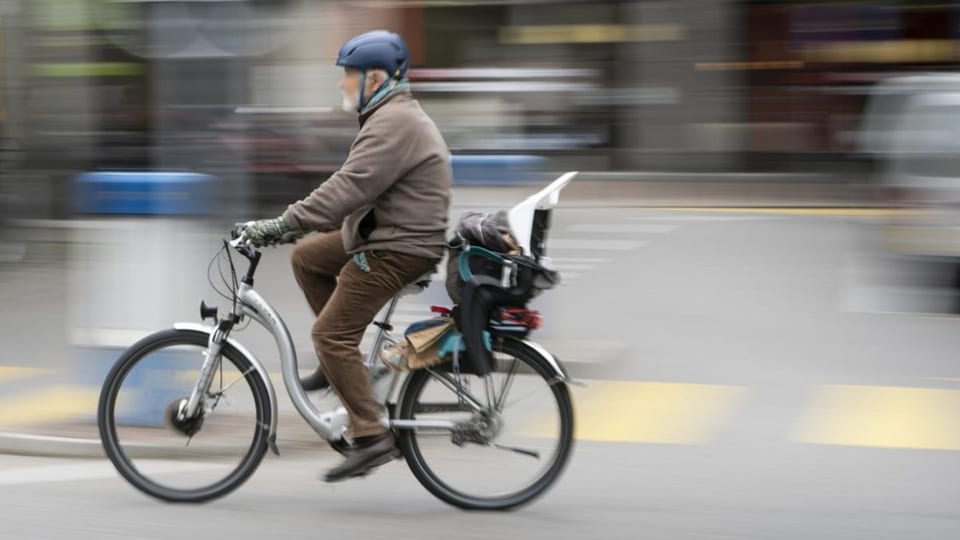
(521, 215)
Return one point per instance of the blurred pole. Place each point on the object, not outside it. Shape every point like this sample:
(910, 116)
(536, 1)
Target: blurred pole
(694, 117)
(193, 91)
(60, 118)
(12, 248)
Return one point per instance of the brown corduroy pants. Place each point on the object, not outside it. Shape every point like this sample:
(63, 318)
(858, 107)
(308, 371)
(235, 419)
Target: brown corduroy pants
(345, 298)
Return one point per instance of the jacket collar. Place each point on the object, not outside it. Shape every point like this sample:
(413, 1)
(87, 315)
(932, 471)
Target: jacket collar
(398, 97)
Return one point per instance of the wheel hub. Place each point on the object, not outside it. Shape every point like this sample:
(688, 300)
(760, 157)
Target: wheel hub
(185, 426)
(481, 430)
(489, 425)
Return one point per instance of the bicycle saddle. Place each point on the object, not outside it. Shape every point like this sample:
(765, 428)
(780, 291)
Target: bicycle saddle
(419, 285)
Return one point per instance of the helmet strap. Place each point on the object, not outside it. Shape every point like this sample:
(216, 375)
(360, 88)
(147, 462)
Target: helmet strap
(363, 86)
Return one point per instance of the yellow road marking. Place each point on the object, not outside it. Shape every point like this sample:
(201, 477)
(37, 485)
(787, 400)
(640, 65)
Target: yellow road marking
(650, 412)
(882, 416)
(48, 405)
(9, 373)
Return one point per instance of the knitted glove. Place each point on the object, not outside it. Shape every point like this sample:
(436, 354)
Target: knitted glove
(267, 232)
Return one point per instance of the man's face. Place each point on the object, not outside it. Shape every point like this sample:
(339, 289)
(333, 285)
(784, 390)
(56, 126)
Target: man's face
(350, 88)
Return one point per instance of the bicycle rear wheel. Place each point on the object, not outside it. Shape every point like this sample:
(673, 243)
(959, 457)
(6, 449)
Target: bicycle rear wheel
(174, 459)
(496, 459)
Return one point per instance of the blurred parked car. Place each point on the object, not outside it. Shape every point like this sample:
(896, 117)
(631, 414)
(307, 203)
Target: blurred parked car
(912, 129)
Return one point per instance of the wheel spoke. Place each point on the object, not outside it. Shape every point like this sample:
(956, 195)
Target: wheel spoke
(492, 460)
(506, 384)
(457, 389)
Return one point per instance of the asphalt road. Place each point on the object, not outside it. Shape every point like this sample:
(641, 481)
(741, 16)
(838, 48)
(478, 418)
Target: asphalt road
(738, 388)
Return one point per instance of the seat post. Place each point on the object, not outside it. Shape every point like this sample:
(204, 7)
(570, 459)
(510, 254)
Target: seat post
(383, 326)
(390, 307)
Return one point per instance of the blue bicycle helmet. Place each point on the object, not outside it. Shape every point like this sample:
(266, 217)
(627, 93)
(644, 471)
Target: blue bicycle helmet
(379, 49)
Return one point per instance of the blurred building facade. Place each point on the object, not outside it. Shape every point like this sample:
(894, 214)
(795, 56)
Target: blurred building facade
(246, 90)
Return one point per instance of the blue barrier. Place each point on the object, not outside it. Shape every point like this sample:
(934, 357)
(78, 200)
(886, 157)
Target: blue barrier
(145, 193)
(113, 264)
(495, 170)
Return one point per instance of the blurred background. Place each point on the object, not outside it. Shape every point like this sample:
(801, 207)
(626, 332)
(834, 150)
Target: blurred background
(247, 89)
(764, 238)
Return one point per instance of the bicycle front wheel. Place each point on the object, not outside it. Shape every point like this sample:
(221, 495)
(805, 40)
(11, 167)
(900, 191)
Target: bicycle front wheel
(174, 458)
(514, 434)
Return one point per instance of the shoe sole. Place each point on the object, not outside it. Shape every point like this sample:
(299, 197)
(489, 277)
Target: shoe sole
(378, 462)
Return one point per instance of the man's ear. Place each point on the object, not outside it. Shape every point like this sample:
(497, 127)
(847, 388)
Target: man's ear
(376, 78)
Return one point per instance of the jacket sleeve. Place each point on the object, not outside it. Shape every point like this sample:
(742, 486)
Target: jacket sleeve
(373, 165)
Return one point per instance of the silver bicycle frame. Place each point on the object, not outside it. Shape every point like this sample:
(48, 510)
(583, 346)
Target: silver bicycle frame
(251, 304)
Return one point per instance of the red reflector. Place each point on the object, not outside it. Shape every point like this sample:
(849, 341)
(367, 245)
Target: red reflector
(527, 317)
(440, 309)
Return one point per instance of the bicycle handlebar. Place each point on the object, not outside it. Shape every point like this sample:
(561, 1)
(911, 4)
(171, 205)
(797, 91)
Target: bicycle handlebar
(242, 245)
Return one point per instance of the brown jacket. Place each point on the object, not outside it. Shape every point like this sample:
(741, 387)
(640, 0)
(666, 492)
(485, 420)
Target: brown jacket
(392, 192)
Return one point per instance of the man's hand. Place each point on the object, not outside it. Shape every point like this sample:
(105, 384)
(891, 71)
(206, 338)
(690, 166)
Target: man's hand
(267, 232)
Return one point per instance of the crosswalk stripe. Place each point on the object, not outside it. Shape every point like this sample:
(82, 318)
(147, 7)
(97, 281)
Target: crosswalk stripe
(702, 218)
(650, 412)
(9, 373)
(881, 416)
(593, 244)
(578, 260)
(565, 267)
(802, 211)
(620, 228)
(50, 404)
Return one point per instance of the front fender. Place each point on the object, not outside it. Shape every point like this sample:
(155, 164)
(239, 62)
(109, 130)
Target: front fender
(272, 432)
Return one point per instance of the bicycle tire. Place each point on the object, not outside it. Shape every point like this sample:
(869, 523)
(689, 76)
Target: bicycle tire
(108, 431)
(436, 486)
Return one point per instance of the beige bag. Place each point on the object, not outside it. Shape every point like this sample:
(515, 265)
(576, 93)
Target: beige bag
(419, 349)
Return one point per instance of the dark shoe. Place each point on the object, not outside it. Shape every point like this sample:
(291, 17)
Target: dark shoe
(315, 381)
(368, 453)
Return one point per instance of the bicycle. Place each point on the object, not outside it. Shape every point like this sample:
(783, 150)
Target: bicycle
(445, 429)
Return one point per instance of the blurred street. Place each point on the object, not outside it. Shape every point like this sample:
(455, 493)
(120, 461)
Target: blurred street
(759, 261)
(733, 391)
(732, 488)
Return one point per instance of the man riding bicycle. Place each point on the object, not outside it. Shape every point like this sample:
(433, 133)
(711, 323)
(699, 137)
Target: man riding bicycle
(390, 200)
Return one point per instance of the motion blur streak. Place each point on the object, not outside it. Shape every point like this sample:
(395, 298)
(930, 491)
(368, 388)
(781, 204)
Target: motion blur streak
(759, 260)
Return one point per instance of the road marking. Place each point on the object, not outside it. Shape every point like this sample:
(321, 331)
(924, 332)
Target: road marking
(93, 470)
(881, 416)
(620, 228)
(593, 244)
(809, 211)
(565, 267)
(575, 260)
(50, 404)
(651, 412)
(9, 373)
(700, 217)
